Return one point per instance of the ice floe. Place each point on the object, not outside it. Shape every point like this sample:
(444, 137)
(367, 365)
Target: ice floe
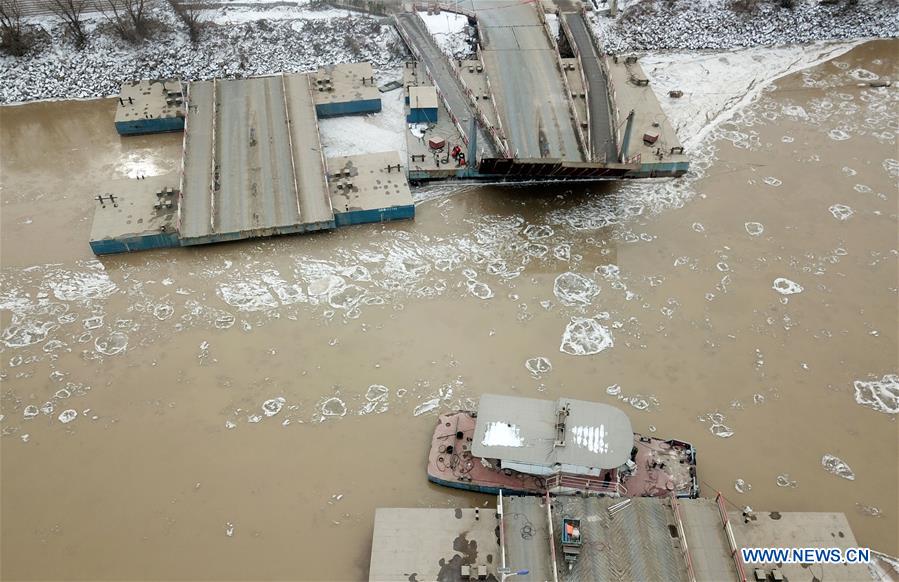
(584, 336)
(880, 395)
(836, 466)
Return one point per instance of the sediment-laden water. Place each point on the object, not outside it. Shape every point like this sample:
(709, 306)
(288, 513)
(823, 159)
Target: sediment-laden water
(239, 411)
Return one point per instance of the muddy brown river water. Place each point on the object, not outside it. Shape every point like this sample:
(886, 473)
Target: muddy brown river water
(239, 411)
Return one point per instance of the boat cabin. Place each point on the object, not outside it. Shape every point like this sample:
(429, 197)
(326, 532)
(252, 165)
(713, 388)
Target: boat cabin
(546, 437)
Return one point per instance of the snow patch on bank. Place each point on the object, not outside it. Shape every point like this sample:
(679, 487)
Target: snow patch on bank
(450, 31)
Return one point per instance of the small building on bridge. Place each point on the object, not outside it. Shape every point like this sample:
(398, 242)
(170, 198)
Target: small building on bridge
(422, 105)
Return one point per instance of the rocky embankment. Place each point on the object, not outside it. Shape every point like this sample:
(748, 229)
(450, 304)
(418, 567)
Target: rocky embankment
(724, 24)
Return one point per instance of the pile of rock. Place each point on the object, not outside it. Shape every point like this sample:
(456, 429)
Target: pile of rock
(723, 24)
(59, 71)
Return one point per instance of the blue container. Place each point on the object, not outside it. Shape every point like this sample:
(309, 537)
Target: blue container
(144, 126)
(325, 110)
(422, 116)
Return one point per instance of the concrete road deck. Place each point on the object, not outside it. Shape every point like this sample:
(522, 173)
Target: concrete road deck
(526, 82)
(601, 123)
(252, 151)
(196, 209)
(707, 541)
(253, 163)
(309, 166)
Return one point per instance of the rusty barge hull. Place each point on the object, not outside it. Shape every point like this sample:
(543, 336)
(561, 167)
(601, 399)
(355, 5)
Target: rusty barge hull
(663, 468)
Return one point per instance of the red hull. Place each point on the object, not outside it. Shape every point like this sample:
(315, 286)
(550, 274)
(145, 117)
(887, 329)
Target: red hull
(663, 467)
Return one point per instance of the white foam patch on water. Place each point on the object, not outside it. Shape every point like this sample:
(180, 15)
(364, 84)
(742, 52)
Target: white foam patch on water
(783, 480)
(27, 333)
(376, 400)
(273, 406)
(536, 232)
(259, 291)
(786, 287)
(346, 297)
(863, 75)
(584, 336)
(538, 366)
(574, 289)
(332, 407)
(426, 407)
(838, 134)
(640, 402)
(163, 312)
(841, 211)
(836, 466)
(479, 289)
(501, 434)
(754, 228)
(67, 416)
(325, 286)
(87, 285)
(891, 167)
(717, 426)
(113, 344)
(880, 395)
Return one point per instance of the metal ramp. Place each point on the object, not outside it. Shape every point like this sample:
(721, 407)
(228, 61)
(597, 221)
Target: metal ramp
(636, 543)
(602, 135)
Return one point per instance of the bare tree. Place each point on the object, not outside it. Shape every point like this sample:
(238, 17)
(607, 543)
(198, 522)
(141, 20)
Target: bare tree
(13, 37)
(127, 17)
(189, 14)
(70, 11)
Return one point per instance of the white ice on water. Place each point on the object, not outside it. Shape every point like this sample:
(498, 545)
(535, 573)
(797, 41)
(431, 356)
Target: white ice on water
(538, 366)
(841, 211)
(113, 344)
(574, 289)
(376, 398)
(786, 287)
(880, 395)
(67, 416)
(273, 406)
(426, 407)
(754, 228)
(584, 336)
(836, 466)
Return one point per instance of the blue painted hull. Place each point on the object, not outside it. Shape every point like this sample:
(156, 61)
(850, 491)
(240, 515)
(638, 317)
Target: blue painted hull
(477, 488)
(145, 126)
(375, 215)
(110, 246)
